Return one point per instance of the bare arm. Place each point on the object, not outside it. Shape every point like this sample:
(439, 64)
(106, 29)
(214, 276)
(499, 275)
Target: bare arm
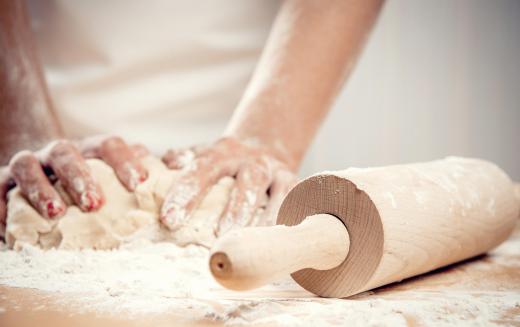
(27, 120)
(311, 49)
(28, 123)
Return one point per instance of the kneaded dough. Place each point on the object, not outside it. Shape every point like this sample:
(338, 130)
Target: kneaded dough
(125, 216)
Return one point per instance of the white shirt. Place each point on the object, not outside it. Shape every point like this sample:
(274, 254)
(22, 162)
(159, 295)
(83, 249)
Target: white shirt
(164, 73)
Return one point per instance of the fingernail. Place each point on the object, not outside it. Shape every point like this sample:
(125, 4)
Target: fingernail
(136, 177)
(134, 182)
(54, 209)
(171, 215)
(91, 201)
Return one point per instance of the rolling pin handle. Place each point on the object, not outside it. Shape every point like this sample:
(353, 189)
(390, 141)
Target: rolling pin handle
(254, 256)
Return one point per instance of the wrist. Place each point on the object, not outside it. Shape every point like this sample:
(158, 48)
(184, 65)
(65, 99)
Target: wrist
(272, 148)
(12, 144)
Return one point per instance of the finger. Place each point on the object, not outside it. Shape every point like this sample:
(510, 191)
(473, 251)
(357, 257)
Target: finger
(4, 187)
(117, 154)
(89, 146)
(284, 182)
(178, 159)
(75, 176)
(34, 185)
(191, 187)
(252, 182)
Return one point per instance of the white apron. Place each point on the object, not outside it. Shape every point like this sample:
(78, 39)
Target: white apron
(164, 73)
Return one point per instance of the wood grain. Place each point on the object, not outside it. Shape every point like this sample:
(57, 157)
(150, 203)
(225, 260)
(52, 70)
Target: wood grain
(464, 293)
(404, 220)
(278, 251)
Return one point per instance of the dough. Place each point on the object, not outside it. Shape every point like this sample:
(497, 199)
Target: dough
(125, 216)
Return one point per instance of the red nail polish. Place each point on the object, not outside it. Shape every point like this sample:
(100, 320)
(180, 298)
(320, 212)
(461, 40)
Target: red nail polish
(91, 201)
(54, 209)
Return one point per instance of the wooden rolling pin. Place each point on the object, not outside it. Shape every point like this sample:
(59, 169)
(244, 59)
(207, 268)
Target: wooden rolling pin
(357, 229)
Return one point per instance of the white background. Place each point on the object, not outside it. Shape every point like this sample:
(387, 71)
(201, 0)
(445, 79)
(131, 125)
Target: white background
(437, 78)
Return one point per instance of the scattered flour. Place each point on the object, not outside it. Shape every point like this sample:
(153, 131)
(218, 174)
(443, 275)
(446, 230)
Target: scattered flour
(143, 278)
(389, 196)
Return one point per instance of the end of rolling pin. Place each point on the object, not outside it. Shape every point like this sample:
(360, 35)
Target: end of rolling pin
(252, 257)
(220, 265)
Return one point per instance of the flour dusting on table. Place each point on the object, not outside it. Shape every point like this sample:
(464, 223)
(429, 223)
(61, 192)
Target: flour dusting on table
(145, 278)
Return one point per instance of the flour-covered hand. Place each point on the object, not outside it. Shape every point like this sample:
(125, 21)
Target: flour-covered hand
(256, 171)
(63, 160)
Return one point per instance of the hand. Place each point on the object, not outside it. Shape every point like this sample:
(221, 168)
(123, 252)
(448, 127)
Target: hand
(65, 160)
(257, 172)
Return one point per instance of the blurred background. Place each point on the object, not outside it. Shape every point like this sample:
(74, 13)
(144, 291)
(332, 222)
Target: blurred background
(437, 78)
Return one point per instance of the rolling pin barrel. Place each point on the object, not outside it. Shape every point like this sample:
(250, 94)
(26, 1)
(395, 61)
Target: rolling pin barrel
(402, 221)
(252, 257)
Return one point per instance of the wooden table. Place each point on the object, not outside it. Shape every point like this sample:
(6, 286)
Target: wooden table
(484, 290)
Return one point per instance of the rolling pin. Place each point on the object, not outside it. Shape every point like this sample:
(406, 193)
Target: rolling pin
(344, 232)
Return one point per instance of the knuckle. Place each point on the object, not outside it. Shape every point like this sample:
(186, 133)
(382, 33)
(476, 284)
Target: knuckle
(22, 160)
(169, 155)
(259, 169)
(113, 141)
(207, 160)
(286, 180)
(61, 147)
(166, 159)
(90, 146)
(139, 150)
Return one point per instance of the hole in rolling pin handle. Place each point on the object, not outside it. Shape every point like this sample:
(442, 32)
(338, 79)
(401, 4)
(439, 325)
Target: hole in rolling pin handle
(220, 265)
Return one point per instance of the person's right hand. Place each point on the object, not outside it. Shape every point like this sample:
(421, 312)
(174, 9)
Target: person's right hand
(34, 172)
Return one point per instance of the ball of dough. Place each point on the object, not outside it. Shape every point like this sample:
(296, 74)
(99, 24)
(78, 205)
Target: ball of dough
(125, 216)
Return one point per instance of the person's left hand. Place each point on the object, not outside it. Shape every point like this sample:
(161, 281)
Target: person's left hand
(257, 172)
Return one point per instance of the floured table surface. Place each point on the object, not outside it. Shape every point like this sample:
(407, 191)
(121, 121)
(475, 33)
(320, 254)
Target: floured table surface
(480, 291)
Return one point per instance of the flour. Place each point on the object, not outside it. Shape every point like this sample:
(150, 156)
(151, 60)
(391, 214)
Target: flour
(143, 278)
(389, 196)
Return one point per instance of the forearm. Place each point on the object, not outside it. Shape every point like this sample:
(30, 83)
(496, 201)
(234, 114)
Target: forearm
(312, 47)
(27, 120)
